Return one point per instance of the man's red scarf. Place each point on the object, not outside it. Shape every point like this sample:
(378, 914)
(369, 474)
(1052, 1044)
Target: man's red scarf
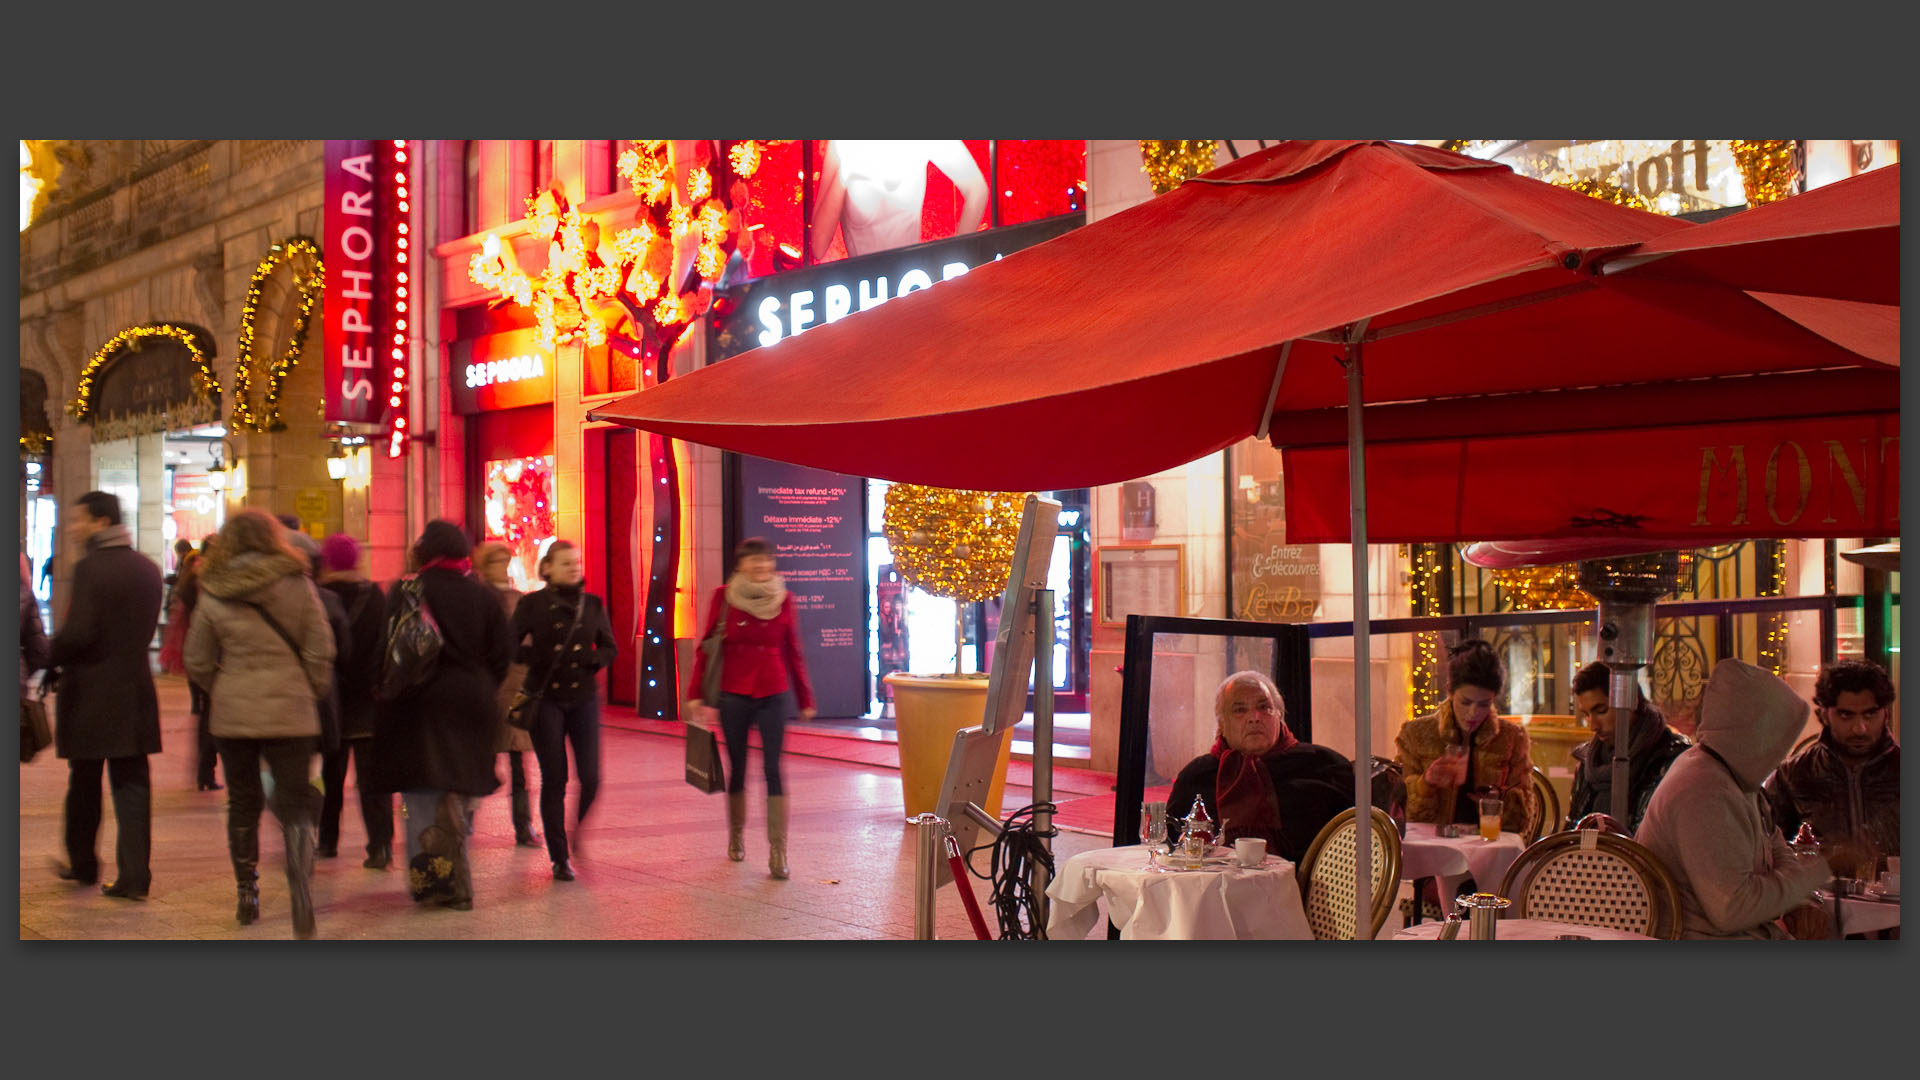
(1243, 794)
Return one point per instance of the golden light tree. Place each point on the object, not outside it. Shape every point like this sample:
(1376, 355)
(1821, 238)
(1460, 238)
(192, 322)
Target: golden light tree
(953, 543)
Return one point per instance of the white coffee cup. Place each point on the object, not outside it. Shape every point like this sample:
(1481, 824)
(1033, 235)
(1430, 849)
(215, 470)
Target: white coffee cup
(1250, 851)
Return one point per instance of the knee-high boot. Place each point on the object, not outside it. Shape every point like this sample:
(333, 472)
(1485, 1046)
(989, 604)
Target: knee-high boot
(736, 825)
(243, 844)
(523, 820)
(777, 835)
(300, 844)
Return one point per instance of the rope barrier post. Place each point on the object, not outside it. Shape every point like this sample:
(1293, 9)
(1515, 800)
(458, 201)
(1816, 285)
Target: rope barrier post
(932, 830)
(1042, 752)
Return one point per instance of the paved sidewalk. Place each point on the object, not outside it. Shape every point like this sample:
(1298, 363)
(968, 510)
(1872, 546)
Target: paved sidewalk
(654, 863)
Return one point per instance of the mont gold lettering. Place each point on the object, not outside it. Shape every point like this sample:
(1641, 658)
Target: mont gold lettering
(1773, 483)
(1837, 459)
(1710, 467)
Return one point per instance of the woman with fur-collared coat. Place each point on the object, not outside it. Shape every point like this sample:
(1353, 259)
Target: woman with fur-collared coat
(1486, 750)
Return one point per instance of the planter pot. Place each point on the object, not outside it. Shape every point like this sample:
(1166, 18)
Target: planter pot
(928, 711)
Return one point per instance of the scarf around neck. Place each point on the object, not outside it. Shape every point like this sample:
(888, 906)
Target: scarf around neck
(762, 601)
(1243, 793)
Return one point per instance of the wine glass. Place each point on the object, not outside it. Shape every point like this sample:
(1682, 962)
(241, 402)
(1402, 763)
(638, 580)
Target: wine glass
(1153, 828)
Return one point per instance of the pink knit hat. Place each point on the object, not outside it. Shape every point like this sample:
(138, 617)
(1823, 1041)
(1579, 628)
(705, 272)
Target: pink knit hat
(340, 551)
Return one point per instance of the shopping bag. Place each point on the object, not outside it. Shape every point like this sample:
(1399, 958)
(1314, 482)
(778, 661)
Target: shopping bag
(703, 760)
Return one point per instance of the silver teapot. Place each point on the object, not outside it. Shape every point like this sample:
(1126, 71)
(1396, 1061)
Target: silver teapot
(1197, 829)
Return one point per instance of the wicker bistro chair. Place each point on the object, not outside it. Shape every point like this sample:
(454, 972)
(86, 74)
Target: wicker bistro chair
(1326, 876)
(1594, 878)
(1546, 807)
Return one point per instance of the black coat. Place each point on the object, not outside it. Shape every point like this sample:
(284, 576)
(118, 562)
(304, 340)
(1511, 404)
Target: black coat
(1593, 779)
(1312, 784)
(106, 705)
(1842, 799)
(33, 639)
(566, 667)
(356, 670)
(438, 736)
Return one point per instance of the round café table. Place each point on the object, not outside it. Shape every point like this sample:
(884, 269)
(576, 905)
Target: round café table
(1858, 914)
(1209, 904)
(1424, 853)
(1524, 930)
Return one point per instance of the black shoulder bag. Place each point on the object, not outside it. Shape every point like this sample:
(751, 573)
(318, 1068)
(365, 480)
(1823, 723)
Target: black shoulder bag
(526, 705)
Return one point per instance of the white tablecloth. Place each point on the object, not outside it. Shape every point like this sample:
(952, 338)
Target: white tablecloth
(1425, 853)
(1232, 903)
(1859, 916)
(1523, 930)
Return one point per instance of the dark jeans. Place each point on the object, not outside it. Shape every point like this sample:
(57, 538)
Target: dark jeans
(577, 722)
(289, 760)
(516, 771)
(132, 816)
(201, 704)
(376, 808)
(739, 712)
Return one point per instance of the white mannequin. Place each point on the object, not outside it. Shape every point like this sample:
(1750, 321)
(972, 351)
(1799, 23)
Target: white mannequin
(873, 190)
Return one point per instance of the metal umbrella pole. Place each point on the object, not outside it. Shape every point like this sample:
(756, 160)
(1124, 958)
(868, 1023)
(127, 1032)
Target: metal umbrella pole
(1362, 676)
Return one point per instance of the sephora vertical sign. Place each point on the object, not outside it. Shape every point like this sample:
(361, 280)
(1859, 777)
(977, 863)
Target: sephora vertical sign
(813, 520)
(354, 220)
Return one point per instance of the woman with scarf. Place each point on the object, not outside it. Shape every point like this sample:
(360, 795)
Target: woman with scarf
(761, 673)
(491, 560)
(1259, 780)
(564, 639)
(1654, 746)
(1465, 749)
(433, 743)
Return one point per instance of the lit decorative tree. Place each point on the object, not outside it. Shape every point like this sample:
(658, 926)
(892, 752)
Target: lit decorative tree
(952, 543)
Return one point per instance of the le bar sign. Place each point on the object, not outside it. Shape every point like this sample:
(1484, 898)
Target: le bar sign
(500, 371)
(364, 228)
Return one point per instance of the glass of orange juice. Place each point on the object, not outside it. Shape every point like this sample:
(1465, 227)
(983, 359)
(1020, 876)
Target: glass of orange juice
(1490, 819)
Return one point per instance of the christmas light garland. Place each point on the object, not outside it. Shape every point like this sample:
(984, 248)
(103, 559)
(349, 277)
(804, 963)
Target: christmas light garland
(1543, 588)
(311, 288)
(1423, 676)
(953, 543)
(133, 338)
(1169, 163)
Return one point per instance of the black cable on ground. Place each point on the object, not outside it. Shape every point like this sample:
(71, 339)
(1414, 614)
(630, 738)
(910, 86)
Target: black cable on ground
(1018, 848)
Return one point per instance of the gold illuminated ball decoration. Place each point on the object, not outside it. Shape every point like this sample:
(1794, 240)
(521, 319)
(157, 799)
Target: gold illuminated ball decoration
(1769, 169)
(132, 338)
(953, 543)
(310, 287)
(1169, 163)
(1543, 588)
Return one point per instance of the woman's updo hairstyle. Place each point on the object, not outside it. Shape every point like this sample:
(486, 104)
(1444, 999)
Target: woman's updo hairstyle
(1474, 663)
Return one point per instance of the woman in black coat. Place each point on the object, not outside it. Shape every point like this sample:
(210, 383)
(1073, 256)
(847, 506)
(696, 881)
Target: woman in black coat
(356, 672)
(434, 742)
(565, 640)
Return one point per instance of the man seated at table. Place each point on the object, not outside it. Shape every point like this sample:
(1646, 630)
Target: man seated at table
(1847, 783)
(1466, 747)
(1735, 871)
(1259, 778)
(1654, 747)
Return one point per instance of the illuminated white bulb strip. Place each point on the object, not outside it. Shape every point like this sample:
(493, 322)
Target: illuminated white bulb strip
(397, 247)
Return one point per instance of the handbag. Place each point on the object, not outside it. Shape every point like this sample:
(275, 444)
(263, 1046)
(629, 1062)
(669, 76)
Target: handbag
(526, 706)
(713, 647)
(704, 770)
(35, 735)
(328, 706)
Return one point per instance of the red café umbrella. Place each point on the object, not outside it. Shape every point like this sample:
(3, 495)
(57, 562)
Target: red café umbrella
(1180, 326)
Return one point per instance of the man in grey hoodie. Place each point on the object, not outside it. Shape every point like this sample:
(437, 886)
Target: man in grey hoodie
(1707, 821)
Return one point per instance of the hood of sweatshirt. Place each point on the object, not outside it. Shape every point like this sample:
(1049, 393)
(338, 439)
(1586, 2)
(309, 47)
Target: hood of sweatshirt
(1750, 718)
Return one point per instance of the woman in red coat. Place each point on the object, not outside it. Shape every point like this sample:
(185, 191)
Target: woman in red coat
(760, 670)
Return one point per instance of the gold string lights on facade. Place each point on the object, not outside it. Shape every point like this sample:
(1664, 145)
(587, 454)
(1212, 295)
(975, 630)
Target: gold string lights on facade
(1543, 588)
(309, 286)
(1423, 589)
(1169, 163)
(132, 339)
(1772, 646)
(1769, 169)
(953, 543)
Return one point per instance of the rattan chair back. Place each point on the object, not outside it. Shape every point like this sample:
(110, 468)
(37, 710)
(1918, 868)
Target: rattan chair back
(1327, 876)
(1594, 878)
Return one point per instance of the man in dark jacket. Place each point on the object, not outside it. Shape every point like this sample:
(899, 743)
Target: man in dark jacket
(1268, 783)
(1847, 783)
(1654, 748)
(107, 714)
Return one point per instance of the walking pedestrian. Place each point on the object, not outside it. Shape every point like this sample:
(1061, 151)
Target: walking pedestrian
(761, 673)
(490, 562)
(198, 702)
(333, 748)
(107, 715)
(356, 672)
(433, 743)
(261, 644)
(174, 638)
(564, 638)
(34, 650)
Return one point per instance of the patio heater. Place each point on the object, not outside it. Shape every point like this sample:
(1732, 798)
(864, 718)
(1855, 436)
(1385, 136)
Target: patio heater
(1627, 588)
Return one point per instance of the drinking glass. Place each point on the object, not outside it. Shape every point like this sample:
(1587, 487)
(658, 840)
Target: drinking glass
(1490, 819)
(1153, 824)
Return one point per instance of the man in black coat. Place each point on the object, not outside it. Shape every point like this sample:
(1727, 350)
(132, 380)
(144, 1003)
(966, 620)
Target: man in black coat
(107, 713)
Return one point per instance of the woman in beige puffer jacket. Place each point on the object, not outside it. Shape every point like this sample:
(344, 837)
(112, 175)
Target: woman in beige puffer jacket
(263, 683)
